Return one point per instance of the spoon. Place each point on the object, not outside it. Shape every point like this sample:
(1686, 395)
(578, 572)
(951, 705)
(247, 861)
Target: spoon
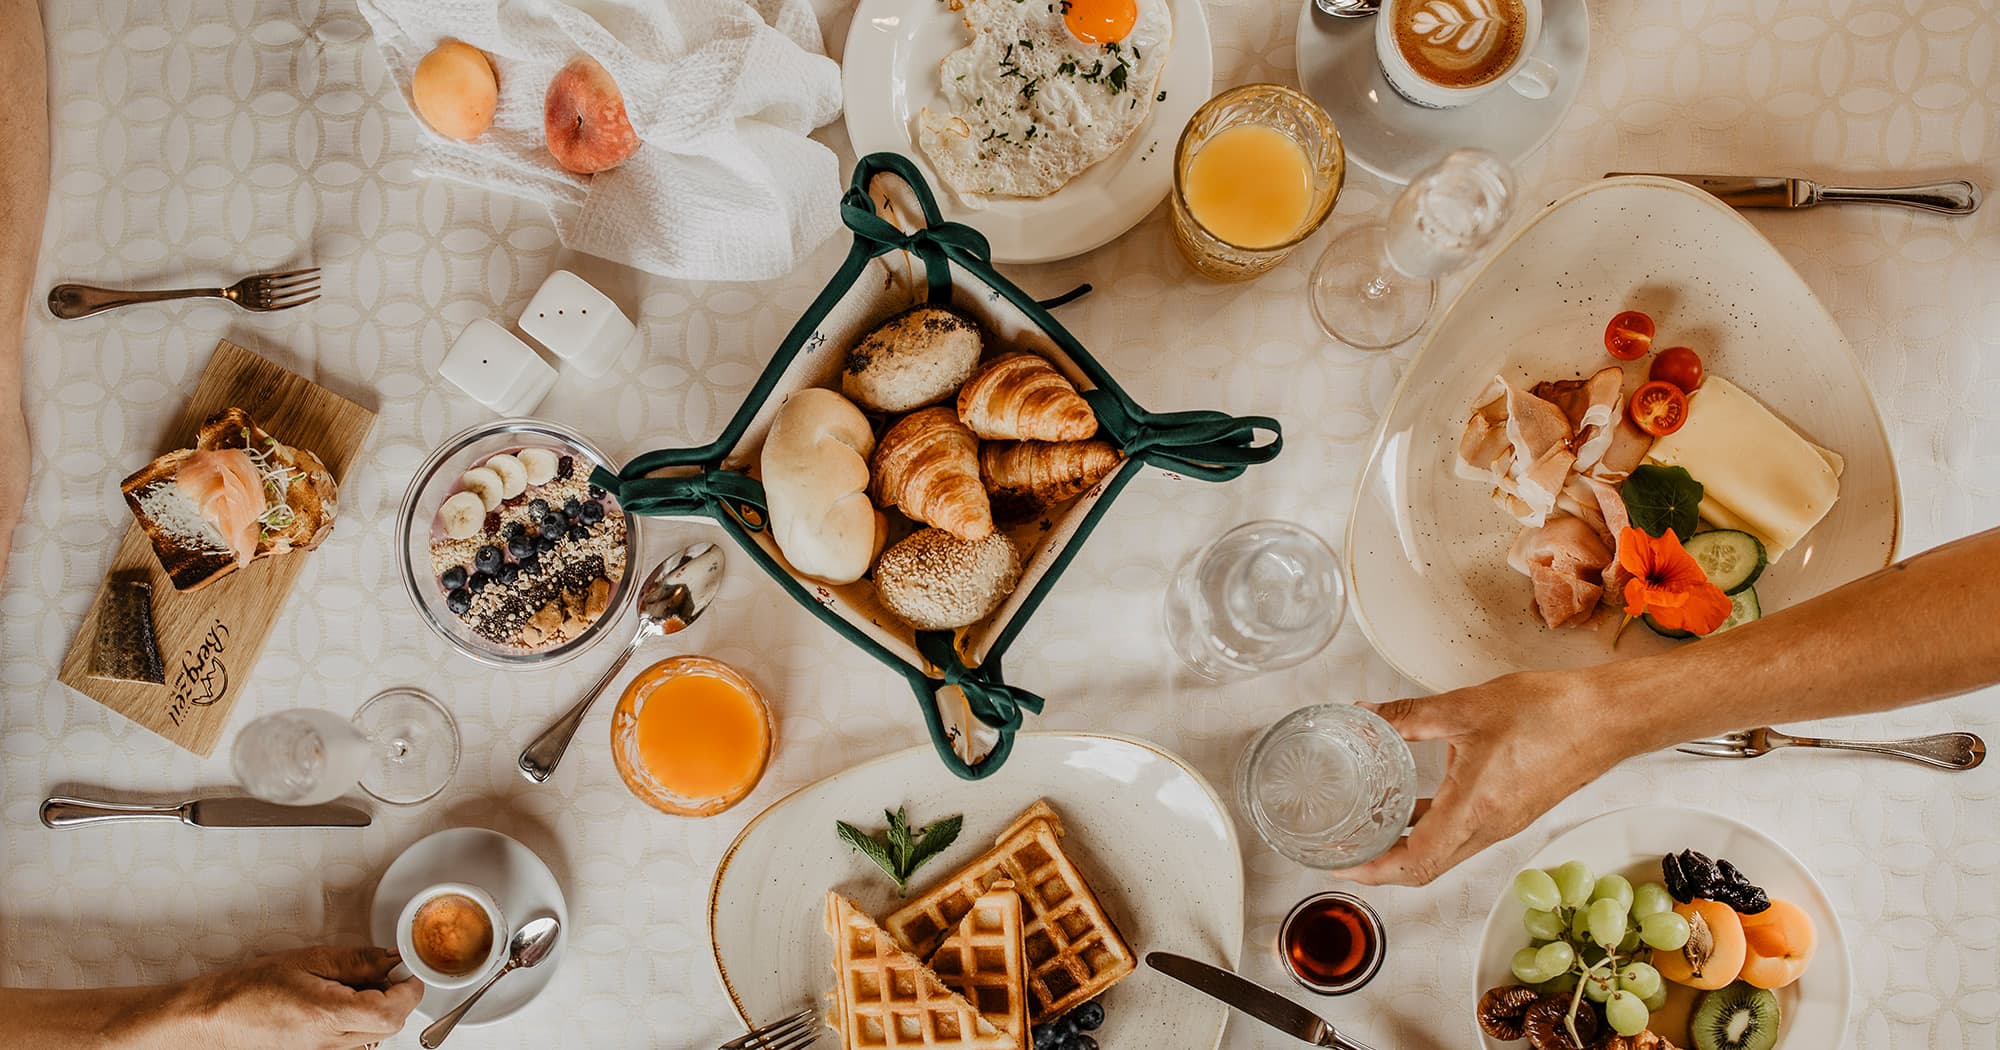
(1348, 8)
(672, 597)
(530, 944)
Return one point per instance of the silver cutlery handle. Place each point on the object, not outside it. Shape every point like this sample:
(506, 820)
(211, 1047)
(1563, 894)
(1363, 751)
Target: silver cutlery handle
(70, 301)
(539, 758)
(1956, 197)
(434, 1035)
(64, 812)
(1944, 750)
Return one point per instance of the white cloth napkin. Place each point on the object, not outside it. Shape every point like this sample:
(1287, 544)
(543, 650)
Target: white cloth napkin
(722, 92)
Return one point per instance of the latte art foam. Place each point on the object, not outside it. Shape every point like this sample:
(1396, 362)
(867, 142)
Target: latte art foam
(1460, 43)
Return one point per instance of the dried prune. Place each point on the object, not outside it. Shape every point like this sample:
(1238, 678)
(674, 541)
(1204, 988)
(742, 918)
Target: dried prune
(1739, 892)
(1689, 874)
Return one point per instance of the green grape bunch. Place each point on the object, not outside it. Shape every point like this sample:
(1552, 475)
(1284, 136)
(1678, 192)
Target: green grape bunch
(1589, 937)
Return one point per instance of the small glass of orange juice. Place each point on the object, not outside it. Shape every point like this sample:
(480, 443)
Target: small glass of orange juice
(691, 736)
(1256, 172)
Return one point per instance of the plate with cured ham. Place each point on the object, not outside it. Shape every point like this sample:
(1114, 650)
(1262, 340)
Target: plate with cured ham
(1636, 427)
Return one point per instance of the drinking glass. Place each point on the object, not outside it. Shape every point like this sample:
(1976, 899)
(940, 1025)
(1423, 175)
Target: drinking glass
(1375, 285)
(1284, 110)
(1329, 786)
(401, 747)
(1267, 595)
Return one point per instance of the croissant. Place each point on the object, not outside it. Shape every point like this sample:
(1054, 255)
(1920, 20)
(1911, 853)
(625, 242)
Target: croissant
(927, 465)
(1021, 397)
(1026, 478)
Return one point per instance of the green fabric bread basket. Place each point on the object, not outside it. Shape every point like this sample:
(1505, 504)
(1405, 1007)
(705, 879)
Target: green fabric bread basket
(896, 263)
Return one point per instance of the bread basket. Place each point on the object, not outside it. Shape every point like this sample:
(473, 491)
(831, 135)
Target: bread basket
(971, 712)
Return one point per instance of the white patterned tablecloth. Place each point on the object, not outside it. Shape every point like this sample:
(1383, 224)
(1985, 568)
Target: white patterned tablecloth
(201, 140)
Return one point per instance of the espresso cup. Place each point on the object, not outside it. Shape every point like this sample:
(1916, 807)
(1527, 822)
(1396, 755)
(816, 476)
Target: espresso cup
(1449, 53)
(451, 935)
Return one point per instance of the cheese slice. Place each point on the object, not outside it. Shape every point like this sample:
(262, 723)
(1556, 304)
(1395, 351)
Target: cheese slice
(1757, 474)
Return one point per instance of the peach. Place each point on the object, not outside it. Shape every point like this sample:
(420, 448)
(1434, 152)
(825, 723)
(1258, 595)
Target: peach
(588, 130)
(1724, 959)
(455, 90)
(1779, 943)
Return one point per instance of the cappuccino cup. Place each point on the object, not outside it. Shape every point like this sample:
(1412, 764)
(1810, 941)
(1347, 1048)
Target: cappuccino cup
(451, 935)
(1449, 53)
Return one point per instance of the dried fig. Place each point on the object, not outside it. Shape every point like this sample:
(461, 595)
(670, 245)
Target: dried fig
(1501, 1010)
(1546, 1030)
(1646, 1040)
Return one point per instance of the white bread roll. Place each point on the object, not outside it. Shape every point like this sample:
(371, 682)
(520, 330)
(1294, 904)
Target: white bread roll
(815, 473)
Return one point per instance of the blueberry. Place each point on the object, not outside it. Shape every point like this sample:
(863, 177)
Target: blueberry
(453, 578)
(458, 601)
(1087, 1017)
(509, 573)
(577, 534)
(488, 559)
(479, 581)
(545, 543)
(521, 546)
(1049, 1036)
(538, 509)
(565, 466)
(1082, 1042)
(596, 493)
(554, 524)
(572, 509)
(593, 513)
(532, 565)
(512, 530)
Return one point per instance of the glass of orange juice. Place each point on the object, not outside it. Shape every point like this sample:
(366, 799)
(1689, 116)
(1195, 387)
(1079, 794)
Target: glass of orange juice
(691, 736)
(1256, 172)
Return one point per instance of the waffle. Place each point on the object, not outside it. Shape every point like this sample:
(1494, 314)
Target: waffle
(885, 999)
(981, 961)
(1072, 950)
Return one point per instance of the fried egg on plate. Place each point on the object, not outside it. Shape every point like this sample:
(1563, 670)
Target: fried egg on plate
(1044, 89)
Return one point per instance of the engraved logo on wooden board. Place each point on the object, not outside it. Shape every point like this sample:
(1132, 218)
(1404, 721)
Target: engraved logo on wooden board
(201, 677)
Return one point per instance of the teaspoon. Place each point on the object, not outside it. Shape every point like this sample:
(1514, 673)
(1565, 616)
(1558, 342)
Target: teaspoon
(530, 944)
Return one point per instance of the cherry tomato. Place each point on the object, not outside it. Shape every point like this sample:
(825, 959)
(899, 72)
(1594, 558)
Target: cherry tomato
(1678, 365)
(1629, 336)
(1659, 408)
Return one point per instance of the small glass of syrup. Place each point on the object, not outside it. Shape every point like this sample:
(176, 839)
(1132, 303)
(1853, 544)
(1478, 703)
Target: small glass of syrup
(1332, 943)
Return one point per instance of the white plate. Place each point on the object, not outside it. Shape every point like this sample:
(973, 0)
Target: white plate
(520, 884)
(1395, 138)
(1147, 830)
(1812, 1011)
(1427, 549)
(890, 71)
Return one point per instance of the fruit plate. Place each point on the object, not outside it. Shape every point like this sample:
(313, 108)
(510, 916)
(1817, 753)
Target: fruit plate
(1812, 1011)
(1147, 831)
(1428, 550)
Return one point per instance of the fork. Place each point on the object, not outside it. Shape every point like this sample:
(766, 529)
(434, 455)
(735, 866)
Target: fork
(1944, 750)
(795, 1032)
(261, 292)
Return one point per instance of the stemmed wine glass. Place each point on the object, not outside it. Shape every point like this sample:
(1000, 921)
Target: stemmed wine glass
(401, 747)
(1376, 285)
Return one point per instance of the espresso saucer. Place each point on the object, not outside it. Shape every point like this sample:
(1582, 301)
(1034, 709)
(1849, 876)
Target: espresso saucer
(520, 884)
(1389, 135)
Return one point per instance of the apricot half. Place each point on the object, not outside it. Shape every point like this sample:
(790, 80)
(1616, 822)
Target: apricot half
(1779, 943)
(455, 90)
(1715, 949)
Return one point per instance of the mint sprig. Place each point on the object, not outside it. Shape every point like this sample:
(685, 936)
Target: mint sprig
(901, 851)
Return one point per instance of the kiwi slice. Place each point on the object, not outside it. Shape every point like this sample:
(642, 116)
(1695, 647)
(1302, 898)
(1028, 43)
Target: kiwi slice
(1737, 1017)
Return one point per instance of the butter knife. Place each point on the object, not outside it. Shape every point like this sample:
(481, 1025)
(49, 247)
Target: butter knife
(1252, 998)
(64, 812)
(1955, 197)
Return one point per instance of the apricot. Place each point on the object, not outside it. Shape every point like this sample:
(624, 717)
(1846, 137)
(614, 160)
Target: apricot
(455, 90)
(1779, 943)
(1726, 947)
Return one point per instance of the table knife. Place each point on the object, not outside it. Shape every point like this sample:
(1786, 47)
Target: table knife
(1956, 197)
(1254, 999)
(63, 812)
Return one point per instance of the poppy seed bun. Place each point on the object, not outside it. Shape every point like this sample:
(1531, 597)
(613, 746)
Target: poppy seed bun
(935, 581)
(918, 357)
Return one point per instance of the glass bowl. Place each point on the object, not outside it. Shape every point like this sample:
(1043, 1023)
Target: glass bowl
(437, 479)
(625, 745)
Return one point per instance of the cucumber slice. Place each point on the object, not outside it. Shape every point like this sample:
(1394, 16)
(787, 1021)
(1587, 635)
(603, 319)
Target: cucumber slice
(1732, 559)
(1744, 608)
(1666, 632)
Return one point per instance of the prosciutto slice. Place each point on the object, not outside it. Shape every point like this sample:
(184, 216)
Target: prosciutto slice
(1591, 406)
(1565, 561)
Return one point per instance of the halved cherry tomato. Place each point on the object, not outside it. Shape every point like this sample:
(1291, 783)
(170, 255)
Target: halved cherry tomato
(1678, 365)
(1629, 336)
(1659, 408)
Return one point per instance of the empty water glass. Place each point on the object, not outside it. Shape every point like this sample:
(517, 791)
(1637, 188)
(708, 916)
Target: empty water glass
(401, 747)
(1330, 786)
(1265, 596)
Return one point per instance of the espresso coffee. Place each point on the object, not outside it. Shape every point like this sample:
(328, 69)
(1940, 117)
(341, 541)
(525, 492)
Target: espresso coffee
(452, 934)
(1460, 43)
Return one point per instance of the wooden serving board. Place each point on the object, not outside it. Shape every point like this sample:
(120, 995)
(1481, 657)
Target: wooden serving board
(210, 638)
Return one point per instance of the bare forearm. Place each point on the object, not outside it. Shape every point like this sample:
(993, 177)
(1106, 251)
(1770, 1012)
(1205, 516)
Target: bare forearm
(1919, 630)
(24, 198)
(93, 1019)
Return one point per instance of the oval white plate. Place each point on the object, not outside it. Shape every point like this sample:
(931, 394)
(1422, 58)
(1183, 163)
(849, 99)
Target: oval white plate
(889, 72)
(1812, 1011)
(1427, 549)
(1151, 835)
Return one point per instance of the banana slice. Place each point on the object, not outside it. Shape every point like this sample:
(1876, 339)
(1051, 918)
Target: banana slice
(486, 484)
(541, 464)
(463, 515)
(513, 476)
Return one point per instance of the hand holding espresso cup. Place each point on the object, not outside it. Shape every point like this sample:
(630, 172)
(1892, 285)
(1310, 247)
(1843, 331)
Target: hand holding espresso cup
(1443, 54)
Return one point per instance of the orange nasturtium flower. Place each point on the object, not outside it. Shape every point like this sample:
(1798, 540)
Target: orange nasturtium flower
(1669, 584)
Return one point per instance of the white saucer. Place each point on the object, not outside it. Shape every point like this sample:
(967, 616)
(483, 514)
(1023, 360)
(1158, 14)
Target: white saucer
(520, 884)
(1387, 134)
(889, 72)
